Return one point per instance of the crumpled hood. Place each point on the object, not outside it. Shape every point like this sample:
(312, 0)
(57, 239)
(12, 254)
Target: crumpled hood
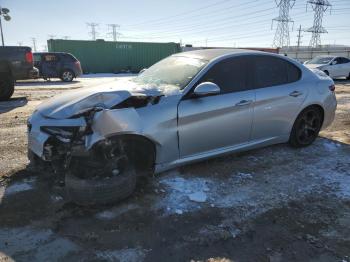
(77, 101)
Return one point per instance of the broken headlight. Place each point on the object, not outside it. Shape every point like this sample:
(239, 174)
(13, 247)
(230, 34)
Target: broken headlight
(64, 134)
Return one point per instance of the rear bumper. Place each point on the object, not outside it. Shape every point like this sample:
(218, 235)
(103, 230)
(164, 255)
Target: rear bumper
(330, 107)
(31, 73)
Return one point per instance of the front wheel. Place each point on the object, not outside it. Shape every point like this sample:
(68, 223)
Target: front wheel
(67, 76)
(306, 127)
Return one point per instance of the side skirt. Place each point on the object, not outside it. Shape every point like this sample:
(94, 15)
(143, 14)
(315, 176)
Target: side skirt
(221, 151)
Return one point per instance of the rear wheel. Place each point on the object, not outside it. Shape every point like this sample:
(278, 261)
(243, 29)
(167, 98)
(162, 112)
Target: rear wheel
(7, 87)
(67, 76)
(306, 127)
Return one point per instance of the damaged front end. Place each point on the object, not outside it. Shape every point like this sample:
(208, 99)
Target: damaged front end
(79, 143)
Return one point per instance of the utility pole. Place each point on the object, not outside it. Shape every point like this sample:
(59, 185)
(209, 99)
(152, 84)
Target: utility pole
(34, 43)
(319, 7)
(114, 32)
(51, 36)
(19, 43)
(299, 37)
(93, 31)
(282, 31)
(4, 13)
(65, 37)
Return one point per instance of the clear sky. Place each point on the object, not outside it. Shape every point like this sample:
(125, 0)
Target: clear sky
(199, 22)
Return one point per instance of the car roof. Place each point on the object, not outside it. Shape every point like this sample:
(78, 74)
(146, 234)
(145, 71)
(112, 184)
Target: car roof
(51, 53)
(210, 54)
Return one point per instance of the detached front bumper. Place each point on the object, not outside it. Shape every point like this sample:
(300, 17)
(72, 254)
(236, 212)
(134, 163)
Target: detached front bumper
(37, 138)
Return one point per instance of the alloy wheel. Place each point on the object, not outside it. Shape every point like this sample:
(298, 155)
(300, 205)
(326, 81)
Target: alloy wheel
(309, 126)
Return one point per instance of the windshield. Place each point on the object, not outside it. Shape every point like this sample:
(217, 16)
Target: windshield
(320, 60)
(174, 70)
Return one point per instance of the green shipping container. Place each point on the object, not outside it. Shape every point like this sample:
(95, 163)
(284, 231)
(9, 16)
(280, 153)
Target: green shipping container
(113, 57)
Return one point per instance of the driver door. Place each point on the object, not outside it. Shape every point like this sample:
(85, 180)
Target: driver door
(215, 122)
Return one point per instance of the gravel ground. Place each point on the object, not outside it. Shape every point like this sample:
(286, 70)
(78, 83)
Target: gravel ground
(272, 204)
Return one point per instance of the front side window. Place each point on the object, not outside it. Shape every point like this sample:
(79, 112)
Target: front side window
(172, 71)
(37, 57)
(321, 60)
(230, 75)
(273, 71)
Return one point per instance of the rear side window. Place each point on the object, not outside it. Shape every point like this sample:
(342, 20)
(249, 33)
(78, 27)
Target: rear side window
(69, 58)
(50, 58)
(230, 75)
(273, 71)
(344, 60)
(37, 57)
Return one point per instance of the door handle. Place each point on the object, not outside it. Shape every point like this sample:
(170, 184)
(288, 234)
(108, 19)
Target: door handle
(244, 102)
(295, 94)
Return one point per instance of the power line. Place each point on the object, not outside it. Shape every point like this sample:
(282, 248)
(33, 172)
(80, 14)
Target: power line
(282, 31)
(93, 31)
(319, 7)
(180, 14)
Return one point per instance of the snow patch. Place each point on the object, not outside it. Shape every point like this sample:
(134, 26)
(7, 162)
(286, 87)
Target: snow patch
(331, 146)
(200, 197)
(123, 255)
(25, 185)
(116, 211)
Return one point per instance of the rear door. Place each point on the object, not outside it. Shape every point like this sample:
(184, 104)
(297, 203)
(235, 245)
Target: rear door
(50, 65)
(279, 96)
(345, 66)
(223, 120)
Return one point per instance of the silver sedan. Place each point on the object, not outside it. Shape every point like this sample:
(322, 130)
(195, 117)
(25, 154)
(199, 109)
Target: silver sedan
(188, 107)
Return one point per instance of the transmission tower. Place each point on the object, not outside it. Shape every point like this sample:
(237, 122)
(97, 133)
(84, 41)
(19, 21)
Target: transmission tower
(282, 31)
(34, 43)
(319, 7)
(93, 31)
(113, 32)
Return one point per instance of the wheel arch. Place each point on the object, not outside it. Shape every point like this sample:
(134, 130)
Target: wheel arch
(315, 105)
(141, 150)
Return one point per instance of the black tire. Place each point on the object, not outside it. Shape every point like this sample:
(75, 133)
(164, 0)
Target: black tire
(7, 87)
(88, 192)
(67, 75)
(348, 78)
(306, 127)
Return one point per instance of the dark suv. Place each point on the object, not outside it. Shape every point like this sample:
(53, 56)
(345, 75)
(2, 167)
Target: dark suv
(57, 65)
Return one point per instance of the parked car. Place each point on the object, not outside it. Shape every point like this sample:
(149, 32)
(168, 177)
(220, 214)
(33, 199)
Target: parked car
(334, 66)
(188, 107)
(16, 63)
(57, 65)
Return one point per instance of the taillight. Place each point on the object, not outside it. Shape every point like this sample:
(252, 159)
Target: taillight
(332, 88)
(29, 57)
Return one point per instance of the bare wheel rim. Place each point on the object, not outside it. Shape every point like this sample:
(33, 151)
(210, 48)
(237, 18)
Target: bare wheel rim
(67, 75)
(309, 126)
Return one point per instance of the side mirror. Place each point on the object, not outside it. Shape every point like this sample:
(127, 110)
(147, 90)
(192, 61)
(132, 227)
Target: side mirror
(142, 70)
(206, 88)
(334, 62)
